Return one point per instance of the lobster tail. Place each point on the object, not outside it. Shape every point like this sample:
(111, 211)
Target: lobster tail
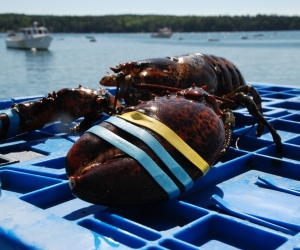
(229, 76)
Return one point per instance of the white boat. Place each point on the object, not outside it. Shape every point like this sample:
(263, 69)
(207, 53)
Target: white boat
(163, 33)
(32, 38)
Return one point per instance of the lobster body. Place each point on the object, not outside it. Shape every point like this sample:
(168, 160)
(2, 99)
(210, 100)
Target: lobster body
(101, 173)
(219, 75)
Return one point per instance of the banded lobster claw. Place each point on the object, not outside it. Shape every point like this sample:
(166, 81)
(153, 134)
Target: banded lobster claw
(153, 152)
(66, 105)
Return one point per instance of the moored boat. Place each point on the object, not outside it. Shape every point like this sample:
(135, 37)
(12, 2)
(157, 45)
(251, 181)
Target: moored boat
(32, 37)
(163, 33)
(213, 40)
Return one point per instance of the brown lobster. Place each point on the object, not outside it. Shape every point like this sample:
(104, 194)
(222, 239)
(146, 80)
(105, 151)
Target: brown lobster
(138, 80)
(117, 163)
(139, 179)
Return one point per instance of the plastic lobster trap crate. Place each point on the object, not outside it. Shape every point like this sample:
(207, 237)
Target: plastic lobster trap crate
(247, 201)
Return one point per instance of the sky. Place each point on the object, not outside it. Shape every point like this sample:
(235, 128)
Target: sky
(158, 7)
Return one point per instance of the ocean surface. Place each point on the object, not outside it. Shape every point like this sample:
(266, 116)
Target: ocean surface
(266, 57)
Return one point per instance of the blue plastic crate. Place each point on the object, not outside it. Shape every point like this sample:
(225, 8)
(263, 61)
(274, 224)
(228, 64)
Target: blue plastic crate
(249, 200)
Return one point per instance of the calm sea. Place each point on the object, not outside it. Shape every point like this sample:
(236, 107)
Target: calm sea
(266, 57)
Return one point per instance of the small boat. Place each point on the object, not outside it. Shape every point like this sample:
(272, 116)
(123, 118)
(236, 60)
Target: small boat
(32, 37)
(213, 40)
(258, 35)
(245, 37)
(163, 33)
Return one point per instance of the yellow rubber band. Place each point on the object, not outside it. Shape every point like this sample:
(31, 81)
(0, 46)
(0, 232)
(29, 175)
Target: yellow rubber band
(169, 135)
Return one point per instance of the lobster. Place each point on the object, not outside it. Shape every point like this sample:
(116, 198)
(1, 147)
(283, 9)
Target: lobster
(139, 80)
(152, 152)
(219, 75)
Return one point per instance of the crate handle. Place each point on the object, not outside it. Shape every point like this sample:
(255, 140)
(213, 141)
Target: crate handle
(270, 184)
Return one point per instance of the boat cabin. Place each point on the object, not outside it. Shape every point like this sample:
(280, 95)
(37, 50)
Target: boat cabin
(34, 31)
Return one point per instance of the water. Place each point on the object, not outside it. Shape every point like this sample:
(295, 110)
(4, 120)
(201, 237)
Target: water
(272, 57)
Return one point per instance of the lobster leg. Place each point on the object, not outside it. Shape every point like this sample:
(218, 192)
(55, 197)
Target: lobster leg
(248, 89)
(243, 99)
(229, 122)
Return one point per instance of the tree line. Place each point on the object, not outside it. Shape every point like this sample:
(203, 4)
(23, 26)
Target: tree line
(150, 23)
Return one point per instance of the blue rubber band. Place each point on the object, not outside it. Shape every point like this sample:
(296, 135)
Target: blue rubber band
(158, 149)
(153, 169)
(13, 122)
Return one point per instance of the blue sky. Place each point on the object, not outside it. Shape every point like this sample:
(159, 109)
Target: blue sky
(161, 7)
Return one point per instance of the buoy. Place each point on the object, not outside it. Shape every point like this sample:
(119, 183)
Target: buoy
(33, 49)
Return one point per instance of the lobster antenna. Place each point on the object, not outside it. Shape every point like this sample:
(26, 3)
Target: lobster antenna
(237, 140)
(116, 98)
(156, 86)
(174, 89)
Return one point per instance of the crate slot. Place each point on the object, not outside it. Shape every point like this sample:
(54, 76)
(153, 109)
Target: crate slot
(280, 96)
(231, 154)
(17, 183)
(163, 217)
(242, 120)
(292, 107)
(219, 232)
(56, 163)
(289, 152)
(112, 234)
(47, 198)
(59, 200)
(294, 92)
(275, 89)
(249, 143)
(274, 113)
(170, 243)
(285, 129)
(295, 141)
(292, 117)
(128, 226)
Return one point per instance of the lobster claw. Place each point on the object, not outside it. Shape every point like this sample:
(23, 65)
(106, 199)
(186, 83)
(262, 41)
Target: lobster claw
(140, 158)
(117, 183)
(66, 105)
(27, 116)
